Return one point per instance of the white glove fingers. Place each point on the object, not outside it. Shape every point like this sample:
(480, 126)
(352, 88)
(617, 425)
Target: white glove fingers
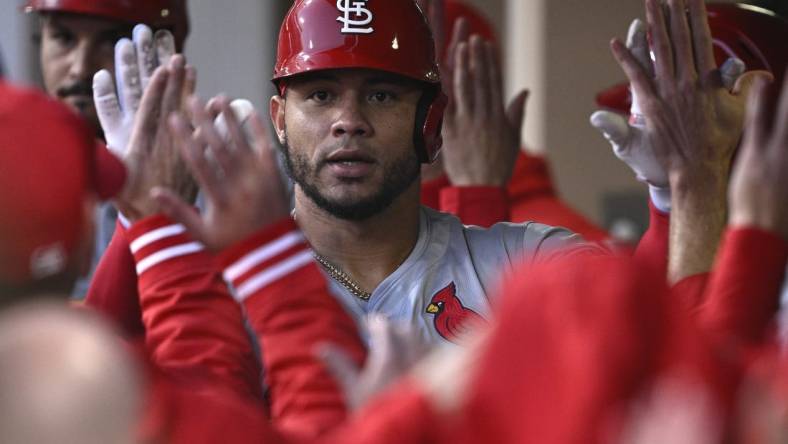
(232, 120)
(637, 42)
(108, 108)
(730, 71)
(165, 46)
(640, 82)
(127, 76)
(146, 55)
(613, 126)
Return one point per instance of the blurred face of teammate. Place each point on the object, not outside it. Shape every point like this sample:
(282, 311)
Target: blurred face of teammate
(349, 138)
(73, 48)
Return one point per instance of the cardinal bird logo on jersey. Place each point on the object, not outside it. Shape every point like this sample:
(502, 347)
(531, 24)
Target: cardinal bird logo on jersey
(451, 317)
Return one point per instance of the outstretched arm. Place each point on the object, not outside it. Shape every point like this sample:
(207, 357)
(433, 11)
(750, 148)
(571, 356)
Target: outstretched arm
(744, 292)
(692, 122)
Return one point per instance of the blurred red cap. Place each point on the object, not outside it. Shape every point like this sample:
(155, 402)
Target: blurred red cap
(49, 163)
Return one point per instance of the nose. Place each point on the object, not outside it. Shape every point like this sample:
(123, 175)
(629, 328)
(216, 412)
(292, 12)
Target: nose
(352, 120)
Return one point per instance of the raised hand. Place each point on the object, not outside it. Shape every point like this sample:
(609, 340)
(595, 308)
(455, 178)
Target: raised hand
(758, 195)
(481, 137)
(691, 120)
(135, 62)
(241, 182)
(628, 138)
(151, 157)
(393, 350)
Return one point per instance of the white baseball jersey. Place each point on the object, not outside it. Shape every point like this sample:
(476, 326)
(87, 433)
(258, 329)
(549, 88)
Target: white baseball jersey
(452, 272)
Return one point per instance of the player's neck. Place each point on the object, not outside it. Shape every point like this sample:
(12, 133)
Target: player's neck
(367, 250)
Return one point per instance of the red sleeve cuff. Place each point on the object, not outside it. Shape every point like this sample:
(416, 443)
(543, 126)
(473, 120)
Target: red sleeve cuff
(265, 258)
(157, 239)
(430, 191)
(752, 240)
(476, 205)
(744, 293)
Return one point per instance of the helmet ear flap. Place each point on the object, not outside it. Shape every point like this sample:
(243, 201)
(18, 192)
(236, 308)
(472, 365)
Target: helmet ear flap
(429, 123)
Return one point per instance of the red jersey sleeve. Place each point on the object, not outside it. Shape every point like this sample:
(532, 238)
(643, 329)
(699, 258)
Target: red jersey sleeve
(292, 312)
(743, 294)
(482, 206)
(113, 290)
(652, 250)
(193, 326)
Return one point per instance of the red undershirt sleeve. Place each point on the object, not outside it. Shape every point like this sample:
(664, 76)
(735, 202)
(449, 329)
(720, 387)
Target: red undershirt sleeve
(113, 290)
(483, 206)
(743, 294)
(652, 250)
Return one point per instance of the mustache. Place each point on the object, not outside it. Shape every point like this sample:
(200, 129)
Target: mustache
(76, 89)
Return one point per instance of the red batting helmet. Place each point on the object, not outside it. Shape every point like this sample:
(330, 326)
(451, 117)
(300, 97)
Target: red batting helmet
(389, 35)
(754, 34)
(168, 14)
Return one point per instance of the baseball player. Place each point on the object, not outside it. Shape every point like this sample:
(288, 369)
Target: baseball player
(77, 39)
(482, 176)
(359, 114)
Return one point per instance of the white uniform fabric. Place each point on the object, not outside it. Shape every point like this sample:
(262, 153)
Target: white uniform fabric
(446, 252)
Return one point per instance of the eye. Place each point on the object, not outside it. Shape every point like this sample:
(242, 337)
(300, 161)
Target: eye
(62, 37)
(320, 96)
(382, 97)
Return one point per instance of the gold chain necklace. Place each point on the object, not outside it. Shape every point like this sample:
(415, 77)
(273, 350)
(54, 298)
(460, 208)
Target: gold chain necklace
(342, 278)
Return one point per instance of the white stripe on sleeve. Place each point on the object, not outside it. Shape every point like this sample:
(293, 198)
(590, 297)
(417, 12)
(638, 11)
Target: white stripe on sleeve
(262, 254)
(271, 274)
(166, 254)
(156, 235)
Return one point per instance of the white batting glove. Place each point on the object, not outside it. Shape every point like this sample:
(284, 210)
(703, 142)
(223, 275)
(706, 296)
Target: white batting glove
(135, 62)
(627, 137)
(243, 110)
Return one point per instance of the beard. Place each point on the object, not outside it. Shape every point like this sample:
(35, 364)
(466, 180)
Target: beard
(398, 176)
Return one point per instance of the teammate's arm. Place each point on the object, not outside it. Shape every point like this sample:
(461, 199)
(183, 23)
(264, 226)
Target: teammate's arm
(694, 125)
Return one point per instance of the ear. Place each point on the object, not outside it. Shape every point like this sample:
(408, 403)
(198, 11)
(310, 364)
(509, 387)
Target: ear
(277, 110)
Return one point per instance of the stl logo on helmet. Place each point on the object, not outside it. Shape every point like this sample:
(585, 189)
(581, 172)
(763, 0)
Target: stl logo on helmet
(355, 16)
